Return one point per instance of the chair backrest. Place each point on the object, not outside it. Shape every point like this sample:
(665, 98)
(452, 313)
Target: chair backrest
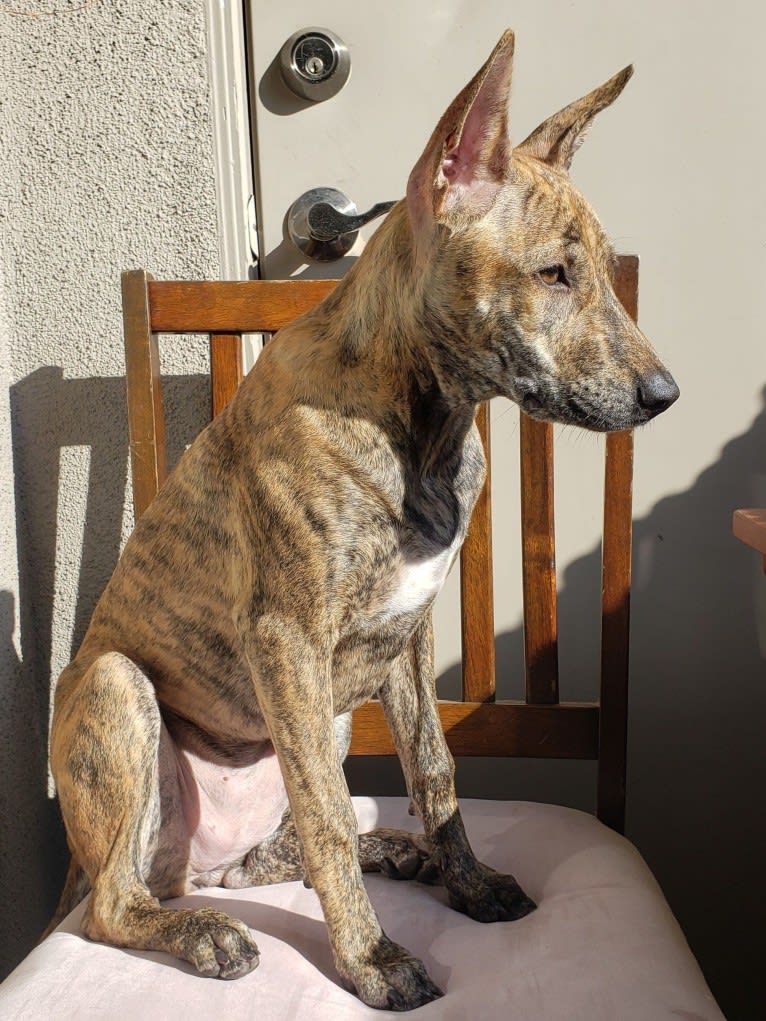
(539, 727)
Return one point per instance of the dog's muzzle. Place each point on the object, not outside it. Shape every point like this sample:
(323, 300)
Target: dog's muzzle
(614, 409)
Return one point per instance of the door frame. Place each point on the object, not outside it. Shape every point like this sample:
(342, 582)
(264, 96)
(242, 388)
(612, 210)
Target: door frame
(232, 149)
(230, 117)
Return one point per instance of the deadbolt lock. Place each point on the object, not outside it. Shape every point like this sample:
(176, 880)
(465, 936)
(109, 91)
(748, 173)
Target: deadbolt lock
(315, 64)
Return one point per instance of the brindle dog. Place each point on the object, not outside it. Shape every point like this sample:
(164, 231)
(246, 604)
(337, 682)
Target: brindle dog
(285, 572)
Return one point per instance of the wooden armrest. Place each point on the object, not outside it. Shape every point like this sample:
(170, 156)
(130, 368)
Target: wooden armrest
(749, 526)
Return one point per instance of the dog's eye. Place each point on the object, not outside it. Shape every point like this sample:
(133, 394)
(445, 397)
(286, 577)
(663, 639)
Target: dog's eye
(553, 275)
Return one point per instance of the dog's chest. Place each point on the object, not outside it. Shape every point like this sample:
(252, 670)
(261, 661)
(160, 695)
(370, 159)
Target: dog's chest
(416, 579)
(382, 616)
(409, 560)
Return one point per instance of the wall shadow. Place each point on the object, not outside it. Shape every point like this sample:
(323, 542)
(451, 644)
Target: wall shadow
(33, 848)
(697, 702)
(49, 413)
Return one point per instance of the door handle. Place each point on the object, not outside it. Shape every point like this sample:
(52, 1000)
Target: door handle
(324, 223)
(327, 223)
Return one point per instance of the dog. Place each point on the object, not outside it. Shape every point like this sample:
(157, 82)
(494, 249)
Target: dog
(285, 572)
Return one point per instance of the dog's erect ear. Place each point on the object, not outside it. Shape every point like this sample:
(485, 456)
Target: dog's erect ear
(558, 139)
(467, 157)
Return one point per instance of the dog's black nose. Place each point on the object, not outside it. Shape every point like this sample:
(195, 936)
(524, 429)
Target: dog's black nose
(657, 392)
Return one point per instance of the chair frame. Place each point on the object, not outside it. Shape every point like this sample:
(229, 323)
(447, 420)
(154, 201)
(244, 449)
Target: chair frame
(541, 726)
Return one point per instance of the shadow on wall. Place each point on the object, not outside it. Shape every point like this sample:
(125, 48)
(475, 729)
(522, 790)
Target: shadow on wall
(696, 768)
(49, 413)
(31, 840)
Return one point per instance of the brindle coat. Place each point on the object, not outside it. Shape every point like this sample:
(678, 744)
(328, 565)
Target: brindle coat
(285, 571)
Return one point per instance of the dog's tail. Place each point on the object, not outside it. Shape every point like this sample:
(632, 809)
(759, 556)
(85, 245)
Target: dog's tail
(76, 886)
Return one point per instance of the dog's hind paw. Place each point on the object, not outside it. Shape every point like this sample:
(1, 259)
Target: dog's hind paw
(217, 945)
(392, 979)
(397, 854)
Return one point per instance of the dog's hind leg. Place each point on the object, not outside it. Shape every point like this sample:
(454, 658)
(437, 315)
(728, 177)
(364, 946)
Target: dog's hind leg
(395, 853)
(277, 859)
(105, 754)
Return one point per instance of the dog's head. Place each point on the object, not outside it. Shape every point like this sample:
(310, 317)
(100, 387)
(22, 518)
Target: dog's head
(518, 273)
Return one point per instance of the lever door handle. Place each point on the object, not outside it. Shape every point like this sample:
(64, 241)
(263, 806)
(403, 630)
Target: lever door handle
(327, 223)
(324, 223)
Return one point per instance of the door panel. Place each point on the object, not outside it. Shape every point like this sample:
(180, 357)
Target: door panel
(408, 62)
(364, 140)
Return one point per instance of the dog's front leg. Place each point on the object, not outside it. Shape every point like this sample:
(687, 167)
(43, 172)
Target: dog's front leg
(294, 690)
(410, 704)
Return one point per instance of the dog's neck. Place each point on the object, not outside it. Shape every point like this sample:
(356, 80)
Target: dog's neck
(374, 335)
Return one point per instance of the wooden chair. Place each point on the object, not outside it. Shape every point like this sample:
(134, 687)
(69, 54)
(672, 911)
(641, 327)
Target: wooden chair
(541, 726)
(603, 942)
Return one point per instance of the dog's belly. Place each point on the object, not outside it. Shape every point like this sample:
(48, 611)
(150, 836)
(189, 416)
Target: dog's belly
(215, 809)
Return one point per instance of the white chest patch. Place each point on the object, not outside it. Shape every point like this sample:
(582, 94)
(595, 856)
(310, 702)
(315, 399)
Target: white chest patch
(418, 581)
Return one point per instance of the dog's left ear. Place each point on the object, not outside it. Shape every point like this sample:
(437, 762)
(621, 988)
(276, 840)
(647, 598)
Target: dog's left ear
(558, 139)
(466, 160)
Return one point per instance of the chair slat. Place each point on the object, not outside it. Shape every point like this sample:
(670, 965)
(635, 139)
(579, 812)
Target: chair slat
(235, 306)
(225, 368)
(615, 603)
(615, 628)
(476, 599)
(146, 415)
(539, 563)
(567, 731)
(626, 284)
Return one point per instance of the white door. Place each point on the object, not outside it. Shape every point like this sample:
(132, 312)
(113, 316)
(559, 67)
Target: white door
(408, 61)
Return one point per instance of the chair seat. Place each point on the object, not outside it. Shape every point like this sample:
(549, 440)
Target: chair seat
(602, 945)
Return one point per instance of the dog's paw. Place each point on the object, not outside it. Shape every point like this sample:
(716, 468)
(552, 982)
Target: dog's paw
(488, 896)
(216, 944)
(397, 854)
(392, 979)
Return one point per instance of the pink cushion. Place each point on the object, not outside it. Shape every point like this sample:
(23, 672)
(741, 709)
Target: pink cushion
(603, 944)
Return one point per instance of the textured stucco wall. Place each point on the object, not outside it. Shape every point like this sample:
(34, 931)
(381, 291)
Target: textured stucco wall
(106, 163)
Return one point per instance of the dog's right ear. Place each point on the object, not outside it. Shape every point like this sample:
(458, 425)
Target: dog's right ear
(467, 158)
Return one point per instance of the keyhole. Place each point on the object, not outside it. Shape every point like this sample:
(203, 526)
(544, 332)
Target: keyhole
(314, 66)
